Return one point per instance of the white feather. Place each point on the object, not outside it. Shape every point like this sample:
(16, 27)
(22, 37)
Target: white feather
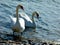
(20, 24)
(28, 21)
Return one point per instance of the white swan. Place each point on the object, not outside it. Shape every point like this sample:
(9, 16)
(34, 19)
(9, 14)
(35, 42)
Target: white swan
(18, 24)
(29, 23)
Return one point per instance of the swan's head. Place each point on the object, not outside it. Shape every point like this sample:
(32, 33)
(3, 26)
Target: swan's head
(37, 14)
(20, 6)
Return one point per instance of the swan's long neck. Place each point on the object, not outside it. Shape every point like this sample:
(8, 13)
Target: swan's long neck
(17, 13)
(33, 16)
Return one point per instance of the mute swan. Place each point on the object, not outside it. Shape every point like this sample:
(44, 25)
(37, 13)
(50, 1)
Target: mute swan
(29, 23)
(18, 24)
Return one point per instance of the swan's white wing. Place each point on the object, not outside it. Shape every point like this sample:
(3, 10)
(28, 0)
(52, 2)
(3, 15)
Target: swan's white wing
(22, 24)
(18, 25)
(25, 16)
(13, 19)
(27, 19)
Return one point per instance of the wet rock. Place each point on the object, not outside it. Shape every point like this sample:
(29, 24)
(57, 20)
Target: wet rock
(50, 44)
(29, 41)
(45, 43)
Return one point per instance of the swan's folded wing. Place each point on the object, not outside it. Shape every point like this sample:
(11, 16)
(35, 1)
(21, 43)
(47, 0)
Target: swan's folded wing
(13, 19)
(22, 23)
(27, 19)
(25, 16)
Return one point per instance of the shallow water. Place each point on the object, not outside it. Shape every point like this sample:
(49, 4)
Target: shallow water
(48, 25)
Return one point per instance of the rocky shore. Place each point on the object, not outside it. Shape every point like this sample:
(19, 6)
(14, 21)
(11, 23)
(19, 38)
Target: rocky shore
(24, 42)
(15, 40)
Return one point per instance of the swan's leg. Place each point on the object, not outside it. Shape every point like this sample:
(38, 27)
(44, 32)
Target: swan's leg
(20, 36)
(13, 35)
(21, 33)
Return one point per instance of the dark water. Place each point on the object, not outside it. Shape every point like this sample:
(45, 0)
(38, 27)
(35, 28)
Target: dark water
(48, 25)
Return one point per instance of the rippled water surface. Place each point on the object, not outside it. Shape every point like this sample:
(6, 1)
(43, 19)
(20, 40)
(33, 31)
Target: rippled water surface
(48, 25)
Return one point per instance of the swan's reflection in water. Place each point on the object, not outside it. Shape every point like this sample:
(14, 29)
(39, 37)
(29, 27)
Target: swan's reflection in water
(29, 32)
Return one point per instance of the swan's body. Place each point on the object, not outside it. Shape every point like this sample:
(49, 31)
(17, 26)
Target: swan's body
(18, 24)
(29, 23)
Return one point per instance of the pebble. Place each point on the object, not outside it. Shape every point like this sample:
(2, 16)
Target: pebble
(25, 42)
(44, 43)
(50, 44)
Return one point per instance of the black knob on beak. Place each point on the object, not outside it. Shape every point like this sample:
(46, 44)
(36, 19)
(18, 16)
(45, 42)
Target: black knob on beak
(37, 15)
(21, 7)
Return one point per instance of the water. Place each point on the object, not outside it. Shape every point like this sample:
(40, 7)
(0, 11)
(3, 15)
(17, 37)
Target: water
(48, 25)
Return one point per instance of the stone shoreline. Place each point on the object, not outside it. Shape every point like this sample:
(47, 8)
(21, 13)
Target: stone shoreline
(25, 42)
